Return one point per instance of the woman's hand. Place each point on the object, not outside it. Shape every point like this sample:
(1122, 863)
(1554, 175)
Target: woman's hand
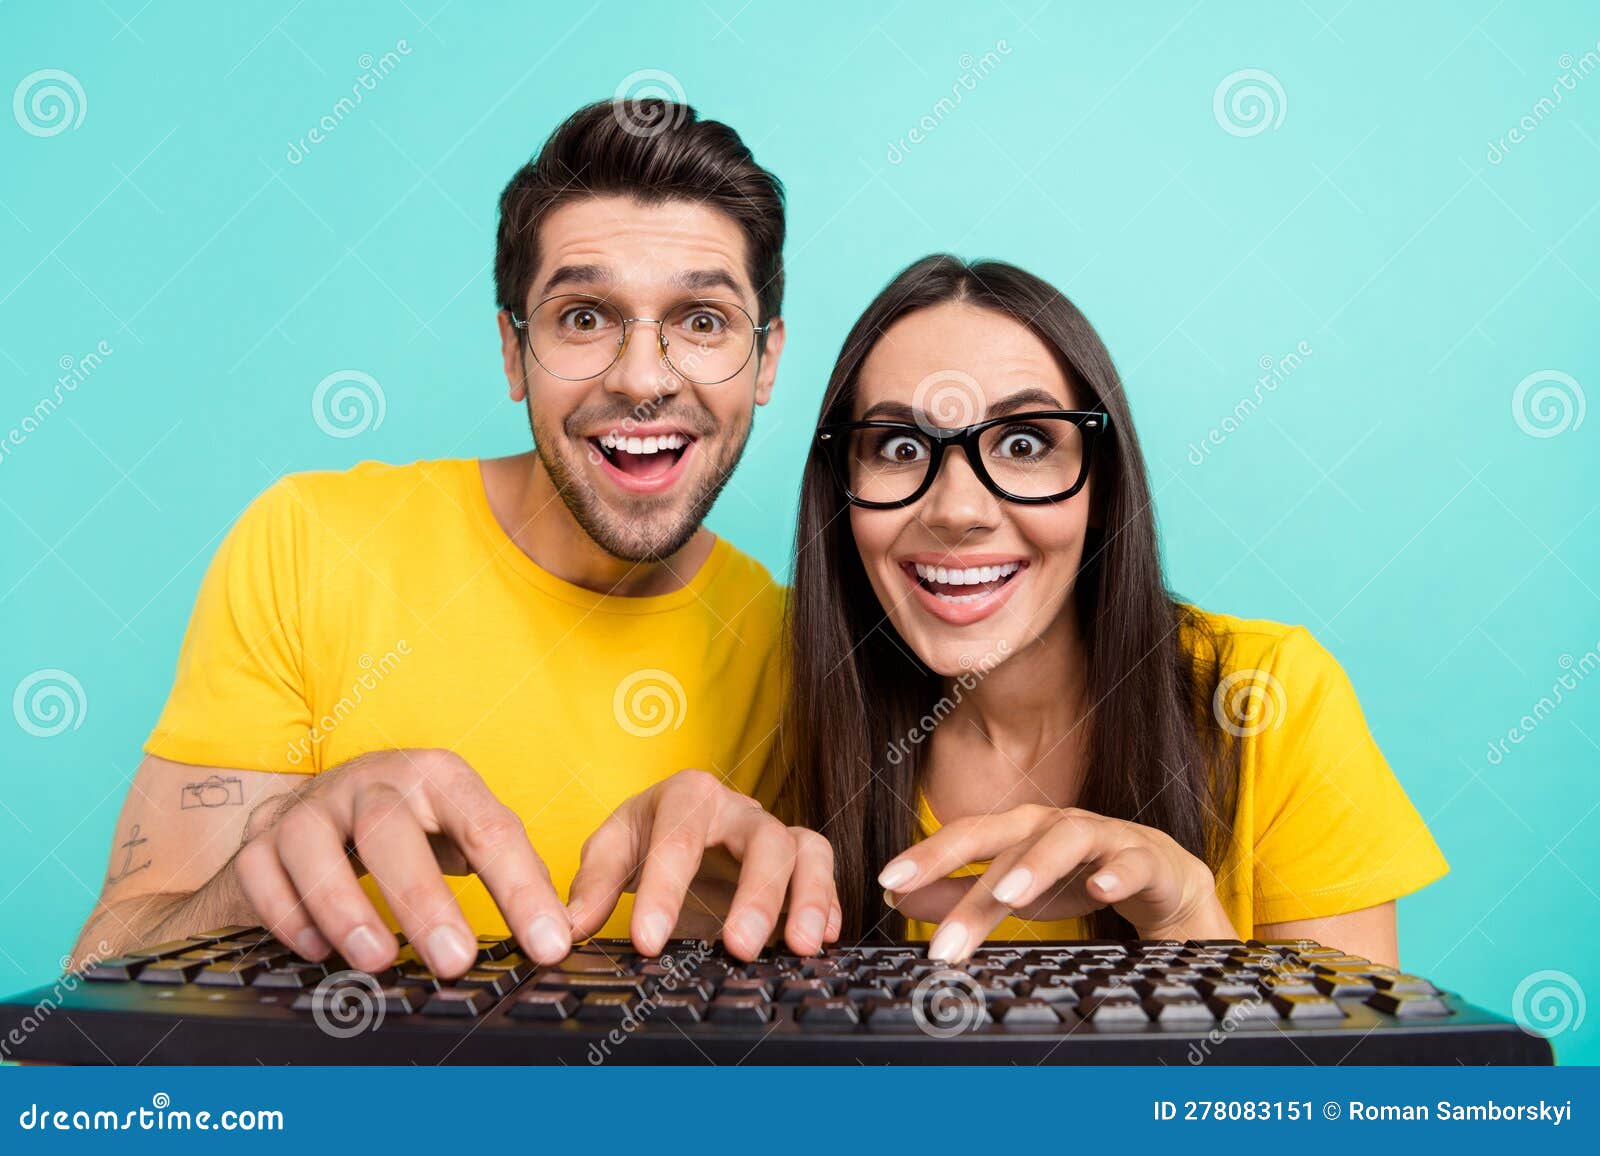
(1051, 863)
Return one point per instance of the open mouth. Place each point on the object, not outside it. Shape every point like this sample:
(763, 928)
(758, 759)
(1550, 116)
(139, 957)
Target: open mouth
(961, 585)
(642, 463)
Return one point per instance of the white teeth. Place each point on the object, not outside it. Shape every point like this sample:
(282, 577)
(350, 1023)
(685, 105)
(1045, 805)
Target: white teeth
(968, 576)
(615, 442)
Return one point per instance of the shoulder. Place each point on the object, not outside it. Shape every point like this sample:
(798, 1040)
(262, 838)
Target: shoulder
(1242, 645)
(744, 593)
(334, 501)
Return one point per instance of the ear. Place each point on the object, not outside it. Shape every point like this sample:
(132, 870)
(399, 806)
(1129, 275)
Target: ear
(767, 371)
(511, 355)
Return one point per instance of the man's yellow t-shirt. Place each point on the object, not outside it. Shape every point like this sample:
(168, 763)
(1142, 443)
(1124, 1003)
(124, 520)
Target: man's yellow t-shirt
(384, 607)
(1322, 826)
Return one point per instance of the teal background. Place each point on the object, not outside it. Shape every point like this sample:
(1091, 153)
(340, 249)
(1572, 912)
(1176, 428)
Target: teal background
(1383, 494)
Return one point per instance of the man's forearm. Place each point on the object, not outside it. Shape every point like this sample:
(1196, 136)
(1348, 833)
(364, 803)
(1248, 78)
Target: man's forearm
(121, 925)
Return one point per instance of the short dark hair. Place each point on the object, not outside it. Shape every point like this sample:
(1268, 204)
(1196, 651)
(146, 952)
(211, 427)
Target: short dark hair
(652, 150)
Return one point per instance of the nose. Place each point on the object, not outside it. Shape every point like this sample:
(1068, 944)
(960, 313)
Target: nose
(641, 373)
(958, 502)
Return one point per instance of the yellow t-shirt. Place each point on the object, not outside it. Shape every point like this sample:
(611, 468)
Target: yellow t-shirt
(384, 607)
(1323, 826)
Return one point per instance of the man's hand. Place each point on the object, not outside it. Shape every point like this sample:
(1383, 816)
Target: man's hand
(691, 838)
(405, 817)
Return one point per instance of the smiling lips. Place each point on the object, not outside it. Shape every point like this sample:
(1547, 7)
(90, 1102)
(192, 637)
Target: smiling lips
(643, 463)
(961, 591)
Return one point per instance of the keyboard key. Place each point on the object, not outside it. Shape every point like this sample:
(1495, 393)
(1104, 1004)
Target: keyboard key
(739, 1009)
(827, 1012)
(590, 963)
(1179, 1012)
(119, 967)
(495, 982)
(230, 974)
(1113, 1011)
(292, 977)
(586, 982)
(1408, 1006)
(1023, 1012)
(399, 1001)
(680, 1008)
(171, 970)
(606, 1007)
(1344, 986)
(746, 986)
(459, 1002)
(494, 946)
(1404, 985)
(547, 1006)
(1304, 1008)
(888, 1012)
(1247, 1012)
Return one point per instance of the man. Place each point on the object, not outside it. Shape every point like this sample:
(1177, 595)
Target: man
(397, 674)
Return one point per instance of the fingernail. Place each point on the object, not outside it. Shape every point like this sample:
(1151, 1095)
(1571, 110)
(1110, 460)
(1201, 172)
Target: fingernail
(544, 936)
(1013, 886)
(448, 949)
(1105, 881)
(811, 923)
(950, 944)
(751, 928)
(363, 948)
(655, 927)
(891, 898)
(310, 944)
(897, 873)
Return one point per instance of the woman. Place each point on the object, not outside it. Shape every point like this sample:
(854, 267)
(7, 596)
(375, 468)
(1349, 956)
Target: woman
(1000, 712)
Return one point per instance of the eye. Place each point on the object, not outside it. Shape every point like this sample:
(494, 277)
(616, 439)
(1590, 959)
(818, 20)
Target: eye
(901, 449)
(702, 322)
(1023, 442)
(580, 319)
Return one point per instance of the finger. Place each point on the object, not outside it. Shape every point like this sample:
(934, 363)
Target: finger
(395, 850)
(311, 847)
(271, 894)
(495, 842)
(1125, 874)
(1055, 856)
(606, 866)
(811, 892)
(974, 916)
(932, 903)
(766, 849)
(683, 810)
(835, 923)
(961, 842)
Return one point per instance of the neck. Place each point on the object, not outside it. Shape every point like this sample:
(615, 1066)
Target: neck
(531, 511)
(1019, 734)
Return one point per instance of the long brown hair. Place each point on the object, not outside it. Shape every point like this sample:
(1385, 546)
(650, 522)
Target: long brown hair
(1155, 755)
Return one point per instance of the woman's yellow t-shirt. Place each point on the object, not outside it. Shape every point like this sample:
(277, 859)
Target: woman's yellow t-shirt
(383, 607)
(1323, 826)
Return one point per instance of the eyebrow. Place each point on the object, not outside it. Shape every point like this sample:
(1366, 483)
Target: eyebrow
(694, 280)
(1031, 398)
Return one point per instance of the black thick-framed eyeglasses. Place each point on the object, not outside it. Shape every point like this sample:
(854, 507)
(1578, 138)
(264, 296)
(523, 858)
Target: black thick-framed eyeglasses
(575, 337)
(1034, 458)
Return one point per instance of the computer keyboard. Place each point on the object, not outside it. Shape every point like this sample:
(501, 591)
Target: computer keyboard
(235, 995)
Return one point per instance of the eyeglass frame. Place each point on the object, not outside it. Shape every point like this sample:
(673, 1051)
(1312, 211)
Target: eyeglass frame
(1090, 423)
(758, 335)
